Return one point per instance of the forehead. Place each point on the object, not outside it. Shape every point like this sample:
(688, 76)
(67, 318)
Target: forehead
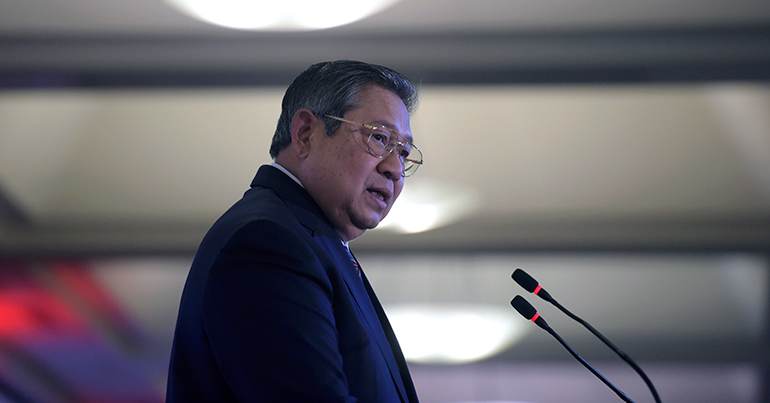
(382, 108)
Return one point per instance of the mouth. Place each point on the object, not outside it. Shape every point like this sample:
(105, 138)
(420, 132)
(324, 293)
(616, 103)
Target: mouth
(380, 194)
(377, 194)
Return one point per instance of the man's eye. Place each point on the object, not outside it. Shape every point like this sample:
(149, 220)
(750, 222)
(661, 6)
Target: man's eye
(381, 138)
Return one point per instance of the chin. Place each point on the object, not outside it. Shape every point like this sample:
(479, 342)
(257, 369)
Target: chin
(367, 222)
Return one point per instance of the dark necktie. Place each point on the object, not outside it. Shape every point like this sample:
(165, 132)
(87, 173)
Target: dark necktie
(355, 262)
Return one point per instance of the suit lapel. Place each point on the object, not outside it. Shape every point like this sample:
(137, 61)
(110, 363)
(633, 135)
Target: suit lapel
(403, 371)
(380, 328)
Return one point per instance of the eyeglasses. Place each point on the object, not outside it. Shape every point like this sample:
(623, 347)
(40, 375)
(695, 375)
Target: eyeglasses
(382, 141)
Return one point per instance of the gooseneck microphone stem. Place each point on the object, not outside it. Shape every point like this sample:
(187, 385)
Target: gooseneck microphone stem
(530, 284)
(587, 365)
(612, 346)
(529, 312)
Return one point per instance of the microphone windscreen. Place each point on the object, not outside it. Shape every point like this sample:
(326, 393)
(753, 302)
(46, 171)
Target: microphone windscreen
(523, 307)
(524, 280)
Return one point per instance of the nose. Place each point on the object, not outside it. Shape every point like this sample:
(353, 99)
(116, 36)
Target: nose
(391, 167)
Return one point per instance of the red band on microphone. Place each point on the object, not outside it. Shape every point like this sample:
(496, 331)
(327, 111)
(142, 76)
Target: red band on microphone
(534, 318)
(537, 290)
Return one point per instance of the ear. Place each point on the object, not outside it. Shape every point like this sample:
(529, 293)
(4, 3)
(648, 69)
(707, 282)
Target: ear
(303, 124)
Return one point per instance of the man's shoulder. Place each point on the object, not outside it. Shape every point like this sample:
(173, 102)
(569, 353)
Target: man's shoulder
(259, 203)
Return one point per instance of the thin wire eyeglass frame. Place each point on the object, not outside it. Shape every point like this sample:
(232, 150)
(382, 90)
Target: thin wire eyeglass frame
(409, 165)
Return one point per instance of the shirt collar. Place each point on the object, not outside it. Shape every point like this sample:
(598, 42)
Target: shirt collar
(289, 174)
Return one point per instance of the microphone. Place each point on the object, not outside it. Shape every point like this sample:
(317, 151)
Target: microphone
(529, 312)
(530, 284)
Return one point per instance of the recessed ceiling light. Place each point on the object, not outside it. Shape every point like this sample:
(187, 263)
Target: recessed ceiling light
(425, 204)
(453, 333)
(286, 15)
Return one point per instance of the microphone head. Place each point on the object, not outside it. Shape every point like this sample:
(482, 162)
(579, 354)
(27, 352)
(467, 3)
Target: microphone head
(523, 307)
(524, 280)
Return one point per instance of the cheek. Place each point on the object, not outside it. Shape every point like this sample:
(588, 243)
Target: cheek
(398, 188)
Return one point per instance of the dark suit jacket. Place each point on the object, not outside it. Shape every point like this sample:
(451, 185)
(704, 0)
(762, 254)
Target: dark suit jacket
(274, 311)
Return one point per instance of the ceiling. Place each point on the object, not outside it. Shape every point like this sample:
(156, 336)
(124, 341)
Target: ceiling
(567, 134)
(128, 127)
(146, 17)
(148, 170)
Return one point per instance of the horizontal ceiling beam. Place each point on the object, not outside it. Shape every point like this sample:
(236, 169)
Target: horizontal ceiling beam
(621, 234)
(243, 59)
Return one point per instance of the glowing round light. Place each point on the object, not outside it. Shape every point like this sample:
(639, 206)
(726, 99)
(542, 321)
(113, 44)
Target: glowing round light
(454, 333)
(425, 204)
(280, 15)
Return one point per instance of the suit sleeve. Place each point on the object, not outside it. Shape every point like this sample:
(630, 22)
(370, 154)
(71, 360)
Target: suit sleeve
(269, 319)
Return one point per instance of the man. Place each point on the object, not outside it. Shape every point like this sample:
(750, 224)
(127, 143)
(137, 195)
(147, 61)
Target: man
(275, 308)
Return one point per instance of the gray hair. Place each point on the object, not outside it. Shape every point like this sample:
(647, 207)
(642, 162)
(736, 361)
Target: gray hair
(332, 88)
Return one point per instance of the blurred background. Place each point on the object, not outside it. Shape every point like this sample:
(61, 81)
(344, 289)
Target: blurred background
(617, 152)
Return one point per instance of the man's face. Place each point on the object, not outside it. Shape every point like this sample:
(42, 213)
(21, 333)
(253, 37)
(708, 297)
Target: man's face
(354, 188)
